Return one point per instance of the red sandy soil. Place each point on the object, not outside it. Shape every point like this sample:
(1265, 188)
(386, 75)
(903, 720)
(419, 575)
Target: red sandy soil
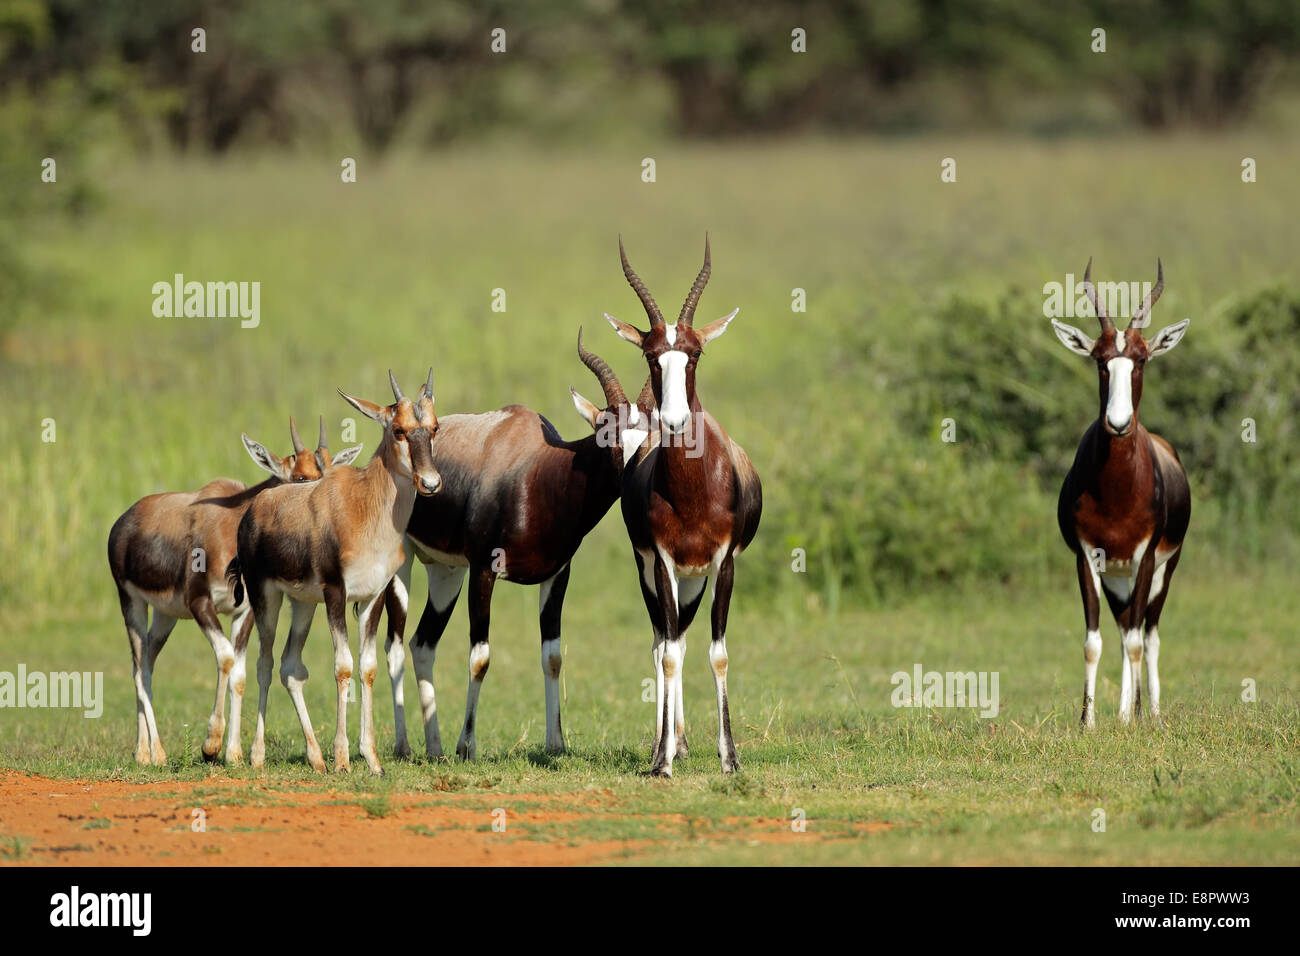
(110, 823)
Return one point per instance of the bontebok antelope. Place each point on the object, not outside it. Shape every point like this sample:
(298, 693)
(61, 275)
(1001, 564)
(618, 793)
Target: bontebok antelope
(1125, 503)
(336, 542)
(691, 503)
(168, 551)
(517, 500)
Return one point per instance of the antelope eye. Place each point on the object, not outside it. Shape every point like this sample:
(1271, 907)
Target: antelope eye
(399, 434)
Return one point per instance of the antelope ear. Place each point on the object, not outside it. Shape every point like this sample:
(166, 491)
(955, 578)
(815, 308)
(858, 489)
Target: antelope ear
(278, 467)
(589, 412)
(627, 332)
(1073, 339)
(1168, 337)
(372, 411)
(346, 457)
(715, 328)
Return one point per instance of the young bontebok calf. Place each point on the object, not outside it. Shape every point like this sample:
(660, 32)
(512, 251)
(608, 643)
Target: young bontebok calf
(336, 542)
(691, 503)
(168, 552)
(1125, 503)
(517, 500)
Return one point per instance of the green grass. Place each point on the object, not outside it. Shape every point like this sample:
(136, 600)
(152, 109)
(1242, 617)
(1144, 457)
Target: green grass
(398, 271)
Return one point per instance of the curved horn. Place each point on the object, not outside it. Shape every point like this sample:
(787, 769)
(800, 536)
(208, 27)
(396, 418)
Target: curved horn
(1144, 309)
(1091, 290)
(322, 444)
(397, 392)
(298, 446)
(701, 280)
(428, 383)
(604, 374)
(647, 300)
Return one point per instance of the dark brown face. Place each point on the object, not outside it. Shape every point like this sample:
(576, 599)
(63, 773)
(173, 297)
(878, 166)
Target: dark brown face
(1121, 357)
(411, 430)
(672, 353)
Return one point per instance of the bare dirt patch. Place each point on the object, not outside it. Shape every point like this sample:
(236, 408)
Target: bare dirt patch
(67, 822)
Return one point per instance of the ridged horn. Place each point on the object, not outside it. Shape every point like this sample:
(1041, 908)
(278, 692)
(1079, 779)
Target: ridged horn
(397, 391)
(1091, 290)
(1144, 309)
(647, 300)
(693, 297)
(604, 374)
(322, 444)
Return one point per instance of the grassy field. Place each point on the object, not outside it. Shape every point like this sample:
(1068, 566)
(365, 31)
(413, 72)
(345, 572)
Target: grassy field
(399, 270)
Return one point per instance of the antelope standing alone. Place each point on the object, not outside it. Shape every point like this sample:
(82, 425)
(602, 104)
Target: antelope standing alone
(516, 502)
(336, 542)
(167, 552)
(691, 503)
(1125, 503)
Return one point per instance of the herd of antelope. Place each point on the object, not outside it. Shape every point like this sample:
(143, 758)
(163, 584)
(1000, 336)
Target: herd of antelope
(502, 496)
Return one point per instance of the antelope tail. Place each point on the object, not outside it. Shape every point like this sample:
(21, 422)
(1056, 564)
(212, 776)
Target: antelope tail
(235, 578)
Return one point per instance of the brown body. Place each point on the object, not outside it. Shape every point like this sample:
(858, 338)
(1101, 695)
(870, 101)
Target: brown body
(169, 551)
(691, 502)
(334, 543)
(515, 504)
(1125, 504)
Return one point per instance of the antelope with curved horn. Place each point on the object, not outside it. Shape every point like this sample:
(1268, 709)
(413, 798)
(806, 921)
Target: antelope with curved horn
(167, 551)
(1125, 503)
(691, 503)
(336, 542)
(517, 501)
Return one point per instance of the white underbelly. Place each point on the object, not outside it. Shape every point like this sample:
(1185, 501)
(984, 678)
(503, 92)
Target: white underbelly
(434, 556)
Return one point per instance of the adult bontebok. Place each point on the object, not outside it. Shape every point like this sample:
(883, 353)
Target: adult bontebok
(168, 552)
(516, 502)
(1125, 503)
(336, 542)
(691, 503)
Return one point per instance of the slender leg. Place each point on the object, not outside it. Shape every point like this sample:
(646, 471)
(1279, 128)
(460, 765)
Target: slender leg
(1159, 591)
(1090, 589)
(482, 580)
(159, 630)
(336, 612)
(1130, 622)
(722, 585)
(670, 664)
(266, 603)
(239, 630)
(444, 587)
(205, 615)
(645, 565)
(690, 592)
(550, 605)
(293, 674)
(369, 662)
(135, 614)
(396, 601)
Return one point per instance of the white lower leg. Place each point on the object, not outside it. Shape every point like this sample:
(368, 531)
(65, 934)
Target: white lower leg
(552, 662)
(225, 655)
(293, 674)
(422, 658)
(395, 654)
(1152, 651)
(1132, 660)
(342, 679)
(672, 663)
(369, 667)
(478, 666)
(238, 681)
(718, 662)
(679, 708)
(1091, 657)
(657, 656)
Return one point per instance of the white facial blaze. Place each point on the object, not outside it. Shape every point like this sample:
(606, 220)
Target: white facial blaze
(675, 411)
(1119, 403)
